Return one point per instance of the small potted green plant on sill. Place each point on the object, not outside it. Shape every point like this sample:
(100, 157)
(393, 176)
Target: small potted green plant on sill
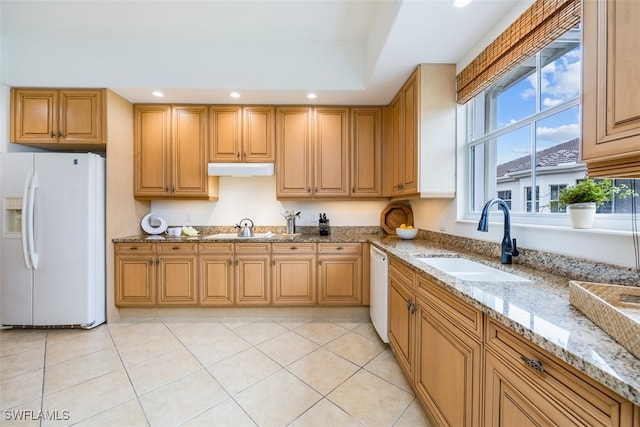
(582, 199)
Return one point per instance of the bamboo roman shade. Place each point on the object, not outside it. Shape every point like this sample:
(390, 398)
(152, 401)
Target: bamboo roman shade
(539, 25)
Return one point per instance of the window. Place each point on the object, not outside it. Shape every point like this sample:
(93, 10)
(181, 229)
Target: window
(506, 196)
(530, 204)
(554, 197)
(524, 133)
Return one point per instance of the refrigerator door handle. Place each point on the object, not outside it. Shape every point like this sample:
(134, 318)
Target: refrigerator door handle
(25, 229)
(31, 197)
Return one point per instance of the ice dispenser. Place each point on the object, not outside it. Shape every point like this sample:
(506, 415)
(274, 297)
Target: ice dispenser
(12, 223)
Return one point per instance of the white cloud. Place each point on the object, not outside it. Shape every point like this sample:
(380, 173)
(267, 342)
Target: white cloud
(560, 133)
(560, 80)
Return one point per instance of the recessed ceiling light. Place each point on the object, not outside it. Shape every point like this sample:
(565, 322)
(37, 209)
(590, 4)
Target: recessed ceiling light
(157, 94)
(234, 95)
(461, 3)
(312, 95)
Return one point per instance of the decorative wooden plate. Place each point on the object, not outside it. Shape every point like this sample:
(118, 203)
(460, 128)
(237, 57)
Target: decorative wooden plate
(395, 215)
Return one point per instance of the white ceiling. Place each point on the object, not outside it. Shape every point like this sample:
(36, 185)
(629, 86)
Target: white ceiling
(271, 51)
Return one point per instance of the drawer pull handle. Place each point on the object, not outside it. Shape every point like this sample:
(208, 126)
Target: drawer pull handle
(533, 363)
(175, 248)
(133, 248)
(294, 248)
(339, 248)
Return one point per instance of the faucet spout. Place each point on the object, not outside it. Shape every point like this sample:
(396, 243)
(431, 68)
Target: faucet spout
(509, 249)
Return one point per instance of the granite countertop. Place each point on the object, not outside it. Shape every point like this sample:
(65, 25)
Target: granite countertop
(538, 310)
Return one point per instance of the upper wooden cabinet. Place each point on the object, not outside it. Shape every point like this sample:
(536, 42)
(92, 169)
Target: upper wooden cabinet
(59, 119)
(293, 152)
(242, 134)
(420, 132)
(610, 87)
(313, 152)
(366, 152)
(170, 153)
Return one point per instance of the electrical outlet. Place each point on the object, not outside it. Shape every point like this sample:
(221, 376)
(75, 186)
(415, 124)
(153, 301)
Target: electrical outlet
(187, 219)
(313, 217)
(443, 228)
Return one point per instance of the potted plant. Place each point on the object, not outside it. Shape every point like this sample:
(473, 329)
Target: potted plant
(582, 199)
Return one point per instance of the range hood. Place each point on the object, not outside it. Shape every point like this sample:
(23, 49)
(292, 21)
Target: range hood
(240, 169)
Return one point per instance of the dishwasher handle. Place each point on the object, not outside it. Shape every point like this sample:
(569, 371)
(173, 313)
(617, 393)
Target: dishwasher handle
(377, 253)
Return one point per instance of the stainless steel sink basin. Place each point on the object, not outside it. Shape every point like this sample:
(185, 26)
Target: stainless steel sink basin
(235, 236)
(466, 269)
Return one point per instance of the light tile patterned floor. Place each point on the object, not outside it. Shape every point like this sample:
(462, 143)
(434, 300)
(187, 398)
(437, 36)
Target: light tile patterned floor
(204, 372)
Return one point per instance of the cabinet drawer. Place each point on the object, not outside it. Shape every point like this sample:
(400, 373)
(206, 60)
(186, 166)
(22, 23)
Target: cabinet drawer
(402, 272)
(253, 248)
(455, 310)
(172, 248)
(294, 248)
(340, 248)
(216, 248)
(556, 382)
(138, 248)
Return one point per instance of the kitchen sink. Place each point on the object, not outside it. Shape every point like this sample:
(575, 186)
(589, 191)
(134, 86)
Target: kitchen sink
(235, 236)
(466, 269)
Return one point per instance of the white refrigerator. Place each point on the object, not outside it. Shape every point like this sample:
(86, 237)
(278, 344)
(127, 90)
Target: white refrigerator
(53, 239)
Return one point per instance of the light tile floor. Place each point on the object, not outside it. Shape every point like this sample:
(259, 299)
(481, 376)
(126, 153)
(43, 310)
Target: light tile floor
(204, 372)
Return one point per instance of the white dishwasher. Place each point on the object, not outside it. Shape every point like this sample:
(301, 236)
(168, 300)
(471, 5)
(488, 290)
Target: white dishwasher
(379, 293)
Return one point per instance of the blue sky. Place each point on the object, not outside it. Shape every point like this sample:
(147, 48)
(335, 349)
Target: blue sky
(560, 82)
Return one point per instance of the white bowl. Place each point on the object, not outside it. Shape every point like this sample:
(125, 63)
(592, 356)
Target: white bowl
(407, 233)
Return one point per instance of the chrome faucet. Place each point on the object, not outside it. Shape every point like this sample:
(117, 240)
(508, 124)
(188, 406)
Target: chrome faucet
(509, 248)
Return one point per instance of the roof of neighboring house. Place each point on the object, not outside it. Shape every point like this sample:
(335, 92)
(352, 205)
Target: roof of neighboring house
(567, 152)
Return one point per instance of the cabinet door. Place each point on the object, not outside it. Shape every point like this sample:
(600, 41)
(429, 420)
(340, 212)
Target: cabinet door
(152, 140)
(253, 281)
(34, 116)
(216, 279)
(177, 280)
(81, 116)
(410, 124)
(293, 152)
(611, 83)
(401, 322)
(366, 152)
(331, 152)
(340, 280)
(135, 275)
(226, 134)
(216, 275)
(447, 369)
(189, 143)
(397, 147)
(294, 279)
(258, 134)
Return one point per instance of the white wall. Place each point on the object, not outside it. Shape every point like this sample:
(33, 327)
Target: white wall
(255, 198)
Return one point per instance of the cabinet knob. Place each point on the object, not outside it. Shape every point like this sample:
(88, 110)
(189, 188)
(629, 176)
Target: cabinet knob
(52, 135)
(533, 363)
(273, 262)
(319, 262)
(230, 261)
(238, 154)
(59, 134)
(308, 189)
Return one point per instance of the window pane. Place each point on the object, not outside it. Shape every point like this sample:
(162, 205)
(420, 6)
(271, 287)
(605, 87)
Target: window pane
(557, 156)
(513, 170)
(513, 97)
(560, 75)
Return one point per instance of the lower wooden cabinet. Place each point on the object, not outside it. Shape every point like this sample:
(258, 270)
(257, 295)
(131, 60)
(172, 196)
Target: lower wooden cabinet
(402, 315)
(135, 278)
(470, 370)
(253, 275)
(155, 274)
(293, 268)
(242, 273)
(448, 363)
(216, 275)
(525, 385)
(177, 273)
(340, 273)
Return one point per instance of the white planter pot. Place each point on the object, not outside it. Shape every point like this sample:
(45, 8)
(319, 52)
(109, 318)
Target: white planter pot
(582, 214)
